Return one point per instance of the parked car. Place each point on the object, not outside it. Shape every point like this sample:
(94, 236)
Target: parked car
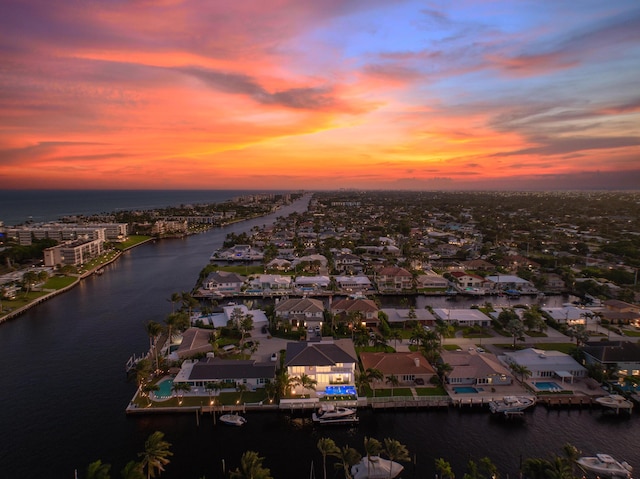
(274, 357)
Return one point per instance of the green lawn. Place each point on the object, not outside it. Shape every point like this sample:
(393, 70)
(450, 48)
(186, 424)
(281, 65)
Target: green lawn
(403, 392)
(437, 391)
(131, 241)
(450, 347)
(566, 348)
(59, 282)
(631, 333)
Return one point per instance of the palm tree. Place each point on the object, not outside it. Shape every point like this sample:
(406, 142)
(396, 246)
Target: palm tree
(180, 388)
(306, 381)
(395, 335)
(443, 330)
(143, 371)
(347, 457)
(212, 386)
(147, 389)
(559, 469)
(132, 470)
(362, 381)
(98, 470)
(444, 469)
(395, 451)
(393, 381)
(515, 328)
(327, 447)
(571, 454)
(153, 330)
(520, 369)
(535, 468)
(374, 375)
(372, 447)
(175, 298)
(156, 454)
(241, 388)
(251, 467)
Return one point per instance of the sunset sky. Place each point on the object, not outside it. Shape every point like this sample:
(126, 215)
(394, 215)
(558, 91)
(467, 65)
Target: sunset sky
(320, 94)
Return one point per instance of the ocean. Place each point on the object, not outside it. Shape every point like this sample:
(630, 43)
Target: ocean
(18, 206)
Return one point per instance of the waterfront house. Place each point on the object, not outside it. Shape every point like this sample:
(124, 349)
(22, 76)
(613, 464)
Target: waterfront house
(353, 283)
(300, 312)
(393, 279)
(233, 314)
(618, 358)
(312, 284)
(568, 314)
(227, 372)
(279, 264)
(410, 368)
(364, 310)
(194, 341)
(271, 284)
(503, 282)
(329, 361)
(621, 306)
(469, 283)
(470, 368)
(223, 283)
(430, 280)
(546, 364)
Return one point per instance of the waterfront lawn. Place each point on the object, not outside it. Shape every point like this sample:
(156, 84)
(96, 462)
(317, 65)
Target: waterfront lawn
(59, 282)
(21, 299)
(400, 392)
(436, 391)
(131, 241)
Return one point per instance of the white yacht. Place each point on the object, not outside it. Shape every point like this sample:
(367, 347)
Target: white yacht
(233, 419)
(511, 404)
(615, 401)
(605, 466)
(332, 414)
(375, 467)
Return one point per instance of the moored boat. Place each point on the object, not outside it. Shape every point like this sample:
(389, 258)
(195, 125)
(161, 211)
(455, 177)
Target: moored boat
(233, 419)
(615, 401)
(375, 467)
(605, 465)
(511, 404)
(332, 414)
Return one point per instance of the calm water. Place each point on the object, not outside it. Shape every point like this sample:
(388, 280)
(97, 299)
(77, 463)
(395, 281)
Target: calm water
(64, 392)
(48, 205)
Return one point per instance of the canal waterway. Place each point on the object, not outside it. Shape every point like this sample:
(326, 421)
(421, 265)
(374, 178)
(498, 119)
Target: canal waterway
(64, 392)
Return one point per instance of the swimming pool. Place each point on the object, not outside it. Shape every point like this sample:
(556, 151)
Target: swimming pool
(340, 390)
(165, 389)
(547, 385)
(465, 390)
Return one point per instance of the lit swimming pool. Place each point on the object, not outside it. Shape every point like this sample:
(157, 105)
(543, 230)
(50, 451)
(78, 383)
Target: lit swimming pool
(340, 390)
(547, 385)
(165, 389)
(465, 390)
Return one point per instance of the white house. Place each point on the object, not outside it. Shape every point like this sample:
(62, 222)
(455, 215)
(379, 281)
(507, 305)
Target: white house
(546, 364)
(464, 317)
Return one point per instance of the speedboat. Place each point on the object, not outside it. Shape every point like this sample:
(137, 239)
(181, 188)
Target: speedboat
(605, 465)
(233, 419)
(331, 414)
(511, 404)
(615, 401)
(375, 467)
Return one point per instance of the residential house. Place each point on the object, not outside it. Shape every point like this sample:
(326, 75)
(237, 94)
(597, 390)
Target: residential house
(279, 264)
(223, 283)
(354, 283)
(365, 310)
(503, 282)
(347, 263)
(402, 316)
(328, 361)
(410, 368)
(469, 282)
(470, 368)
(312, 284)
(232, 314)
(301, 311)
(621, 306)
(463, 317)
(554, 282)
(271, 283)
(568, 314)
(431, 280)
(194, 341)
(618, 358)
(394, 278)
(547, 364)
(227, 373)
(478, 265)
